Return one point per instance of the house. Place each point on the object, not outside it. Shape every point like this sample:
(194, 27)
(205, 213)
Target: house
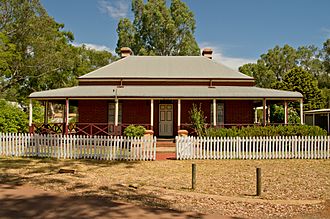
(320, 117)
(158, 92)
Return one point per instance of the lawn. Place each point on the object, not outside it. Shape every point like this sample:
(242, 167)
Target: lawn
(289, 187)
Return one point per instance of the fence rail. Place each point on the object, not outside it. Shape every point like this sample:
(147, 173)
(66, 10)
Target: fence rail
(278, 147)
(77, 147)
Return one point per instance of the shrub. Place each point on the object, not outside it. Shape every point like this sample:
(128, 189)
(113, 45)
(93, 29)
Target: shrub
(197, 120)
(134, 131)
(12, 118)
(250, 131)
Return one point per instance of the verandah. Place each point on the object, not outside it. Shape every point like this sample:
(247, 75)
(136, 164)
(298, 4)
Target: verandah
(115, 126)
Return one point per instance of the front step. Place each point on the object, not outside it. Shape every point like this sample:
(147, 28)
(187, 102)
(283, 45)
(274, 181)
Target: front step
(165, 147)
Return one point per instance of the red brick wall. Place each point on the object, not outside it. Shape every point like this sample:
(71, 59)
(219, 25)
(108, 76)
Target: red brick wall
(93, 111)
(186, 105)
(239, 112)
(136, 111)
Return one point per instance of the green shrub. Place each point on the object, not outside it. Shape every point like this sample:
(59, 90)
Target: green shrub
(134, 131)
(12, 118)
(250, 131)
(197, 120)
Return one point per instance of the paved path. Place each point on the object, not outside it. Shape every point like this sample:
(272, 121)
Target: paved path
(28, 202)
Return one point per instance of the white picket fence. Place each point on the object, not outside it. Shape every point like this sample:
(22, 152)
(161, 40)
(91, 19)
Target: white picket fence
(278, 147)
(77, 147)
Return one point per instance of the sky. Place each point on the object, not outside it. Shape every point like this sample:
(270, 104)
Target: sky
(238, 31)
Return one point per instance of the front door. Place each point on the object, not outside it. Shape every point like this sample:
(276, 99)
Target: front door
(165, 119)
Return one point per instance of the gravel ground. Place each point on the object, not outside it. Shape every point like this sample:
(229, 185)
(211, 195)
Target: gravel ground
(290, 188)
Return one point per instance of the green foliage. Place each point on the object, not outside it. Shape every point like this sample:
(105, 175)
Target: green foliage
(277, 115)
(272, 66)
(134, 131)
(302, 81)
(197, 119)
(158, 30)
(263, 77)
(36, 54)
(290, 130)
(12, 118)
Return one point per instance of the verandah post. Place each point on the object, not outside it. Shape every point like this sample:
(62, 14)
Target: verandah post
(264, 111)
(66, 126)
(179, 114)
(301, 112)
(46, 112)
(116, 129)
(152, 114)
(30, 117)
(214, 112)
(286, 112)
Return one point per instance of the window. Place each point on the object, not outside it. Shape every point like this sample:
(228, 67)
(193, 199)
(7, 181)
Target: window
(111, 113)
(220, 114)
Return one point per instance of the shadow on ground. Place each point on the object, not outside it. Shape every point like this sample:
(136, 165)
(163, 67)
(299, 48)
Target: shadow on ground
(25, 202)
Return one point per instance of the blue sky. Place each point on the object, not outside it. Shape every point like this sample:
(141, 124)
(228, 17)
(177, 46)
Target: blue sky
(239, 31)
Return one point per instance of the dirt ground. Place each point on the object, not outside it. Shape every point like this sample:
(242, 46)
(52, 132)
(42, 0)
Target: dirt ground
(290, 188)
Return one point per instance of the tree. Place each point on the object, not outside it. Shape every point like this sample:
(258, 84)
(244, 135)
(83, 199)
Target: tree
(279, 60)
(36, 54)
(263, 77)
(297, 79)
(158, 30)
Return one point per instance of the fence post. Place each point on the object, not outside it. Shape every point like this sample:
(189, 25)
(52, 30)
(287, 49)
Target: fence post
(193, 181)
(258, 178)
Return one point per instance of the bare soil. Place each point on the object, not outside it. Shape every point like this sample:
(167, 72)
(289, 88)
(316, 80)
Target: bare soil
(290, 188)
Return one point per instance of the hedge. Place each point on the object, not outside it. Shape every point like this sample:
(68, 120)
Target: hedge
(250, 131)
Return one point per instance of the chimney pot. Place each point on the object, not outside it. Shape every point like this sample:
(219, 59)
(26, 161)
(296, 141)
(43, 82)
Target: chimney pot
(207, 52)
(125, 51)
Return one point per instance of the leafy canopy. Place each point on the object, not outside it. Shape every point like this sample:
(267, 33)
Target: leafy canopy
(297, 79)
(158, 30)
(36, 53)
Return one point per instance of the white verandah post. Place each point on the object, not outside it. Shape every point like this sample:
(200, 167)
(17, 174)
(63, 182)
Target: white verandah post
(264, 111)
(179, 114)
(66, 131)
(302, 111)
(152, 114)
(30, 117)
(286, 112)
(214, 112)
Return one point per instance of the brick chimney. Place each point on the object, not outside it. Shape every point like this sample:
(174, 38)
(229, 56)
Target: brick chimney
(207, 52)
(126, 51)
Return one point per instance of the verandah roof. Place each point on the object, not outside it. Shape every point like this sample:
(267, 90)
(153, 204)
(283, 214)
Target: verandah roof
(91, 92)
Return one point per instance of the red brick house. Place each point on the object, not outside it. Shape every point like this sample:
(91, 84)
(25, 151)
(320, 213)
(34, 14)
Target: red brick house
(158, 92)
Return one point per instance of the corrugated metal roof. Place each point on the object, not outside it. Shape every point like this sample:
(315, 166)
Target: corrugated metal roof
(317, 111)
(165, 67)
(165, 92)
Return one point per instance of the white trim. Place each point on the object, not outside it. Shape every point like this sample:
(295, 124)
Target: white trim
(30, 112)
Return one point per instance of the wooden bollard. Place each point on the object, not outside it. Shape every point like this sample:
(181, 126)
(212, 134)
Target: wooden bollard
(193, 178)
(258, 186)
